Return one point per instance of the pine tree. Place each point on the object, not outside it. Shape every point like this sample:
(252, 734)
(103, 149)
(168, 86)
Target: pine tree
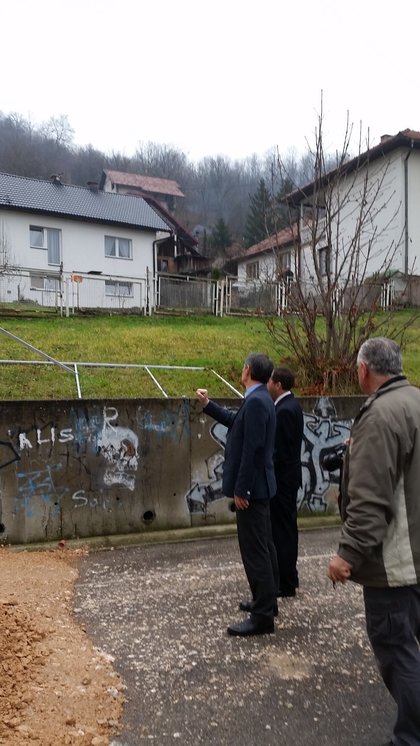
(261, 218)
(221, 238)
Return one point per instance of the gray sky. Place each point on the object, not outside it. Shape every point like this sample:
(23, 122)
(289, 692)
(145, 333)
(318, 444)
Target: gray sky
(229, 77)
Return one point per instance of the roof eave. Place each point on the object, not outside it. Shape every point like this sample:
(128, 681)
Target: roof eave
(401, 140)
(84, 218)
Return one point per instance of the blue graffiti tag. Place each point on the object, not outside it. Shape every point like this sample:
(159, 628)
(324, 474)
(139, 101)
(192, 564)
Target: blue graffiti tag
(39, 484)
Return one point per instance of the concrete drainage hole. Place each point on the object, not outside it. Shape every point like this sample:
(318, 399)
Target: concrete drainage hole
(149, 516)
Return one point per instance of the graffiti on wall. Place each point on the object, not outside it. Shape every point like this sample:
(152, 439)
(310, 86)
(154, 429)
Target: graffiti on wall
(82, 462)
(116, 447)
(37, 490)
(119, 446)
(322, 433)
(8, 454)
(203, 494)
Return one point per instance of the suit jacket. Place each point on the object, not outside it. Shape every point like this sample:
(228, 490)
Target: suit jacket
(248, 469)
(288, 444)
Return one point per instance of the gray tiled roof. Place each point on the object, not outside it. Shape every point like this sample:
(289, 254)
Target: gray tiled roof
(80, 203)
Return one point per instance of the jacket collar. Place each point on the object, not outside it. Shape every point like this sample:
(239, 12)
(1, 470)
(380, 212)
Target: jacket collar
(252, 388)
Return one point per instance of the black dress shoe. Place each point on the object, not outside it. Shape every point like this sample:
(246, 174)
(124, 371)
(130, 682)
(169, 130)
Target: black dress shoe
(248, 605)
(287, 594)
(248, 627)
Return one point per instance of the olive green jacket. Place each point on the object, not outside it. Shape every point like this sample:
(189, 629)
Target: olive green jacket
(380, 489)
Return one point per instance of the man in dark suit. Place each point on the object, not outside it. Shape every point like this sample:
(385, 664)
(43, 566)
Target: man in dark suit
(288, 470)
(248, 477)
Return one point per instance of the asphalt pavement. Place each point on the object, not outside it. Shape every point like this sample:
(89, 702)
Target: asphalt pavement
(162, 611)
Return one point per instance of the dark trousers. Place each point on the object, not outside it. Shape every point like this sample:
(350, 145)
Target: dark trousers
(258, 556)
(283, 509)
(393, 627)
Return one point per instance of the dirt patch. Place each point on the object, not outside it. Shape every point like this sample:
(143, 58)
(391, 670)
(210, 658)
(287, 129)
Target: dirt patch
(55, 687)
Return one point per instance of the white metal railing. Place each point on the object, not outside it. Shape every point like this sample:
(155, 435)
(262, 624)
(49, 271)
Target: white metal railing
(68, 292)
(387, 294)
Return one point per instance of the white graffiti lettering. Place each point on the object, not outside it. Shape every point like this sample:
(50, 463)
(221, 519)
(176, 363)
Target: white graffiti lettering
(82, 500)
(40, 440)
(79, 498)
(24, 442)
(65, 436)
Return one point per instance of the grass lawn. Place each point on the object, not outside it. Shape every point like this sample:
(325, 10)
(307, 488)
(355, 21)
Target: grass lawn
(218, 344)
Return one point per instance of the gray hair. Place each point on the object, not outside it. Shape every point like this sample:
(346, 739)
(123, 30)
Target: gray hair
(381, 355)
(261, 366)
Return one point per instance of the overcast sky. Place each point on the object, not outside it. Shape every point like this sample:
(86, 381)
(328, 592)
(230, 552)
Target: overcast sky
(228, 77)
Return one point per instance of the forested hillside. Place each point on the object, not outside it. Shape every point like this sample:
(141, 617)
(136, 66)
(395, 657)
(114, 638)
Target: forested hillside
(224, 199)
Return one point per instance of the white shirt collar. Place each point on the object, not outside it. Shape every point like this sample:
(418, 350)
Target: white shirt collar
(285, 393)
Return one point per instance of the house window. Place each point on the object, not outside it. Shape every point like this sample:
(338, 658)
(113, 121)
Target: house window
(324, 260)
(118, 247)
(284, 261)
(312, 212)
(49, 284)
(48, 239)
(119, 289)
(37, 237)
(252, 271)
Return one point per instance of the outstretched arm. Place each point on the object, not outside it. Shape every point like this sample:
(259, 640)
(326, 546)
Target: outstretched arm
(221, 414)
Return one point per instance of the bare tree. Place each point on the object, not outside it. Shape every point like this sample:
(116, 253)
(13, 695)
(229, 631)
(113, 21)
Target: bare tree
(346, 242)
(59, 130)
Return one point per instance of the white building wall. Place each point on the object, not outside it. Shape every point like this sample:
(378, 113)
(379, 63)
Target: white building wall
(381, 244)
(242, 272)
(109, 186)
(413, 166)
(82, 251)
(267, 268)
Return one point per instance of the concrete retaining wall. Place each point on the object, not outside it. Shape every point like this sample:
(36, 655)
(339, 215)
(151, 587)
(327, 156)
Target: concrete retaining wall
(73, 469)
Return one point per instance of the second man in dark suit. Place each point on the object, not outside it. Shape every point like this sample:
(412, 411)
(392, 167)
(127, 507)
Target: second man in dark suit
(288, 470)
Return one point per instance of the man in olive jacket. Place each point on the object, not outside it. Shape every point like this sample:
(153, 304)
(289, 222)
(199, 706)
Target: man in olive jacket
(380, 539)
(248, 477)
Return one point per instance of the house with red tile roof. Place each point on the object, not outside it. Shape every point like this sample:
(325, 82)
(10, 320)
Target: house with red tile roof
(270, 260)
(165, 191)
(357, 231)
(177, 253)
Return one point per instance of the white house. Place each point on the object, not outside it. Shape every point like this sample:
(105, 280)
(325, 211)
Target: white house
(358, 228)
(361, 221)
(65, 243)
(265, 272)
(270, 260)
